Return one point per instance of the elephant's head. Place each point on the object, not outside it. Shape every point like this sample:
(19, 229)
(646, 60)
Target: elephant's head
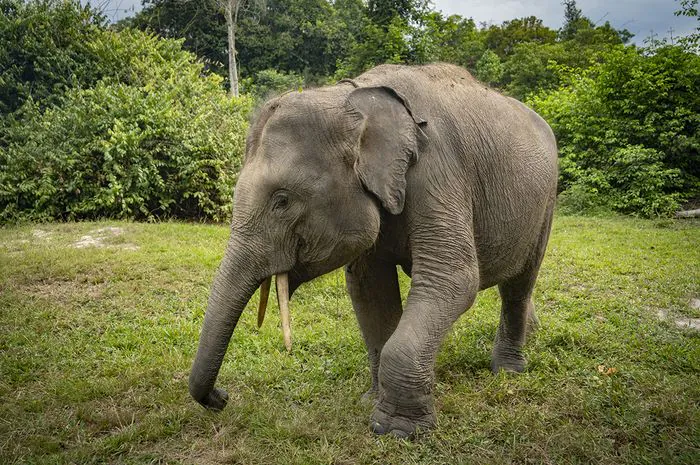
(319, 168)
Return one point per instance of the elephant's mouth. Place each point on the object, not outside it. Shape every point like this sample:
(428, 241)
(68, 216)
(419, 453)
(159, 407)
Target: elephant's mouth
(282, 285)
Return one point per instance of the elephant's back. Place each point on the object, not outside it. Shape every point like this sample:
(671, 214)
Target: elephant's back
(447, 94)
(484, 131)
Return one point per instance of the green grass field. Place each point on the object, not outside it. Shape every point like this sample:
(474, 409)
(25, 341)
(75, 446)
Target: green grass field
(96, 345)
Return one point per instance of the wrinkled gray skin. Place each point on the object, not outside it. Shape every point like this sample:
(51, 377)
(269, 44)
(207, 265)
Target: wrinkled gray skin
(423, 167)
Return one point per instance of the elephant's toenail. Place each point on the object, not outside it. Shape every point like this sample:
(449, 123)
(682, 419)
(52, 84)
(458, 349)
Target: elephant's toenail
(377, 428)
(400, 434)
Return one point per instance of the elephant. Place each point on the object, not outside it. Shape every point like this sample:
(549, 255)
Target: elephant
(422, 167)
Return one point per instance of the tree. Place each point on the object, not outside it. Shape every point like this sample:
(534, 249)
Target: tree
(503, 39)
(489, 68)
(44, 52)
(201, 24)
(573, 20)
(529, 68)
(581, 29)
(628, 129)
(209, 27)
(688, 8)
(393, 33)
(690, 42)
(452, 39)
(231, 10)
(383, 12)
(307, 37)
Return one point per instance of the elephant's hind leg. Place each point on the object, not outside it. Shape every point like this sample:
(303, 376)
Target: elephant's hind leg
(518, 311)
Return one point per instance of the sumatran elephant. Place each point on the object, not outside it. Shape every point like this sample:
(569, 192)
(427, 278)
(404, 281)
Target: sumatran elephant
(423, 167)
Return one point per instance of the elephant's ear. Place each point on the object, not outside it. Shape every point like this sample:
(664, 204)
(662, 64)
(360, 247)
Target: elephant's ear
(258, 122)
(388, 143)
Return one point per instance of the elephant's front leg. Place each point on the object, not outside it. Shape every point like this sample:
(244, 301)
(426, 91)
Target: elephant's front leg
(407, 363)
(373, 286)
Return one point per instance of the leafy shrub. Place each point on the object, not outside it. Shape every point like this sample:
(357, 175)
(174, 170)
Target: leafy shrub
(489, 68)
(270, 81)
(628, 131)
(43, 50)
(159, 138)
(635, 182)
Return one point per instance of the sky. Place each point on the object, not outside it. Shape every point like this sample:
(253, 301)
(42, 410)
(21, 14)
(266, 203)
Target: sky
(641, 17)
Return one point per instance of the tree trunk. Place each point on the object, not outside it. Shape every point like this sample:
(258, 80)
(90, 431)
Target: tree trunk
(231, 10)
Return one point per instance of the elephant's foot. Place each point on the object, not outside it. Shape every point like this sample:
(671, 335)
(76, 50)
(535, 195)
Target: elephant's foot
(398, 425)
(215, 401)
(507, 359)
(403, 421)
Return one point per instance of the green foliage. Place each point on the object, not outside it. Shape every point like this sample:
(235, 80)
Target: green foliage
(377, 45)
(533, 67)
(628, 130)
(635, 181)
(688, 8)
(200, 23)
(307, 37)
(489, 68)
(502, 39)
(691, 42)
(626, 119)
(384, 12)
(43, 50)
(452, 39)
(157, 139)
(573, 20)
(392, 32)
(530, 68)
(269, 82)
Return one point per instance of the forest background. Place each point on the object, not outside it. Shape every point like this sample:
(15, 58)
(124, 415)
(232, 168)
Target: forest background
(139, 119)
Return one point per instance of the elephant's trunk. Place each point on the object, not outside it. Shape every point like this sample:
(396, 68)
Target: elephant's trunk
(235, 282)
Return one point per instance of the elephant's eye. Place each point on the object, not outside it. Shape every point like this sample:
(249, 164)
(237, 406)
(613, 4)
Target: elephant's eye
(280, 201)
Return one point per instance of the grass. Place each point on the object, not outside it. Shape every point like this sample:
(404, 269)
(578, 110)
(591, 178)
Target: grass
(96, 345)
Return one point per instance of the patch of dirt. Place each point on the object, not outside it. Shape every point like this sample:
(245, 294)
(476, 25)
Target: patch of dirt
(682, 322)
(65, 291)
(98, 237)
(692, 323)
(40, 233)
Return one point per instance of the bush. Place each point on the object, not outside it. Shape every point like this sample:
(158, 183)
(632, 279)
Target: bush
(489, 68)
(43, 50)
(159, 138)
(627, 129)
(269, 82)
(636, 182)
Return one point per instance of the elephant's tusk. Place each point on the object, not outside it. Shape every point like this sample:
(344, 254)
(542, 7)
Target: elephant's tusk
(283, 301)
(264, 294)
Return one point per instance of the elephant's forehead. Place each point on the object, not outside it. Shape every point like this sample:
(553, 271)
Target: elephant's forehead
(302, 126)
(309, 121)
(299, 147)
(264, 175)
